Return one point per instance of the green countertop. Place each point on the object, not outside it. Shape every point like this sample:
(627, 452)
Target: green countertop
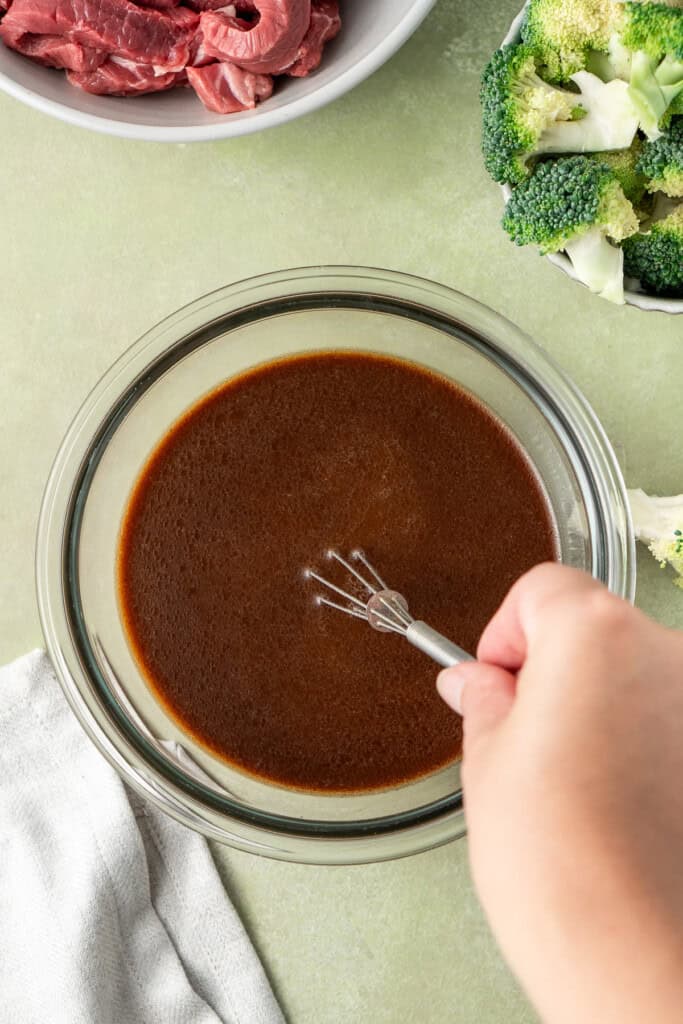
(101, 238)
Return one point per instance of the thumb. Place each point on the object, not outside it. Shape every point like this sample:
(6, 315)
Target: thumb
(483, 694)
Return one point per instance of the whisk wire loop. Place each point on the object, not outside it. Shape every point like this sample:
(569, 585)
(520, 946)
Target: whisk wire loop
(385, 610)
(354, 572)
(338, 590)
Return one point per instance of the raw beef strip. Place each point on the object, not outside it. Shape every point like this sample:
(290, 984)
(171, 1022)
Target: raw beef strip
(136, 33)
(198, 55)
(269, 45)
(4, 5)
(225, 88)
(198, 52)
(57, 52)
(325, 25)
(183, 18)
(119, 77)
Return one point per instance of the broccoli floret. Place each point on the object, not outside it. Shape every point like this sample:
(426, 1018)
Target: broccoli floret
(523, 116)
(662, 162)
(561, 33)
(517, 107)
(656, 256)
(644, 50)
(653, 33)
(653, 28)
(575, 204)
(653, 88)
(625, 165)
(658, 522)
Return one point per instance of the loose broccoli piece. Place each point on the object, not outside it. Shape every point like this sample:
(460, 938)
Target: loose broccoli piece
(662, 162)
(523, 116)
(575, 204)
(561, 33)
(625, 165)
(658, 522)
(656, 256)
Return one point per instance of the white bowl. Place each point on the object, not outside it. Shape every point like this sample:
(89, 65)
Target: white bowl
(634, 296)
(371, 33)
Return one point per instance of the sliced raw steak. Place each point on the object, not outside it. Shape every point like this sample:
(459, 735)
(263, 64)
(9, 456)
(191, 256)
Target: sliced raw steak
(225, 88)
(268, 45)
(324, 25)
(119, 77)
(117, 26)
(57, 52)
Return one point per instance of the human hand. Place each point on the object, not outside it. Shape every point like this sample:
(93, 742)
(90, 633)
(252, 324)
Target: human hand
(573, 782)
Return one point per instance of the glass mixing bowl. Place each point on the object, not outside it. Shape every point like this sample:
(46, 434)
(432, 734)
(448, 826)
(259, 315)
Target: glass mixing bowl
(133, 407)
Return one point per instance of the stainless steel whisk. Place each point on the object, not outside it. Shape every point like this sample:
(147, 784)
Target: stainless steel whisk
(386, 610)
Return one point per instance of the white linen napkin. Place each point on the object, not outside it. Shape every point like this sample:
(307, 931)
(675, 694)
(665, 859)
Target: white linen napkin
(110, 912)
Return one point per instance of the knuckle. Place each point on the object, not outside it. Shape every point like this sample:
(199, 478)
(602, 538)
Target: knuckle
(609, 612)
(607, 622)
(592, 619)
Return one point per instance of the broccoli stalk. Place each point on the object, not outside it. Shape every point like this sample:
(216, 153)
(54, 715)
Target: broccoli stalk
(658, 523)
(614, 62)
(655, 257)
(576, 204)
(599, 265)
(523, 116)
(662, 162)
(610, 121)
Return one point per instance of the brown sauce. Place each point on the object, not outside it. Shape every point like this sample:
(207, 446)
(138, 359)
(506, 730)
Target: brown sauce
(254, 484)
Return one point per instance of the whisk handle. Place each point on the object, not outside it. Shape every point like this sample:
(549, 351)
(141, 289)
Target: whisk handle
(430, 642)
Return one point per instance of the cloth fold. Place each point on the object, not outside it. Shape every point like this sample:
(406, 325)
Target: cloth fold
(110, 912)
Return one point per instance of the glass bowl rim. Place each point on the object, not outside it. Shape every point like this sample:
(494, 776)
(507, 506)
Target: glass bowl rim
(141, 766)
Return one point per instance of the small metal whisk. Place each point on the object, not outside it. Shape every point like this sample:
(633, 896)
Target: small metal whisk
(386, 610)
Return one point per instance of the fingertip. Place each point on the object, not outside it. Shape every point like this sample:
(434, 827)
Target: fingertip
(487, 698)
(450, 684)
